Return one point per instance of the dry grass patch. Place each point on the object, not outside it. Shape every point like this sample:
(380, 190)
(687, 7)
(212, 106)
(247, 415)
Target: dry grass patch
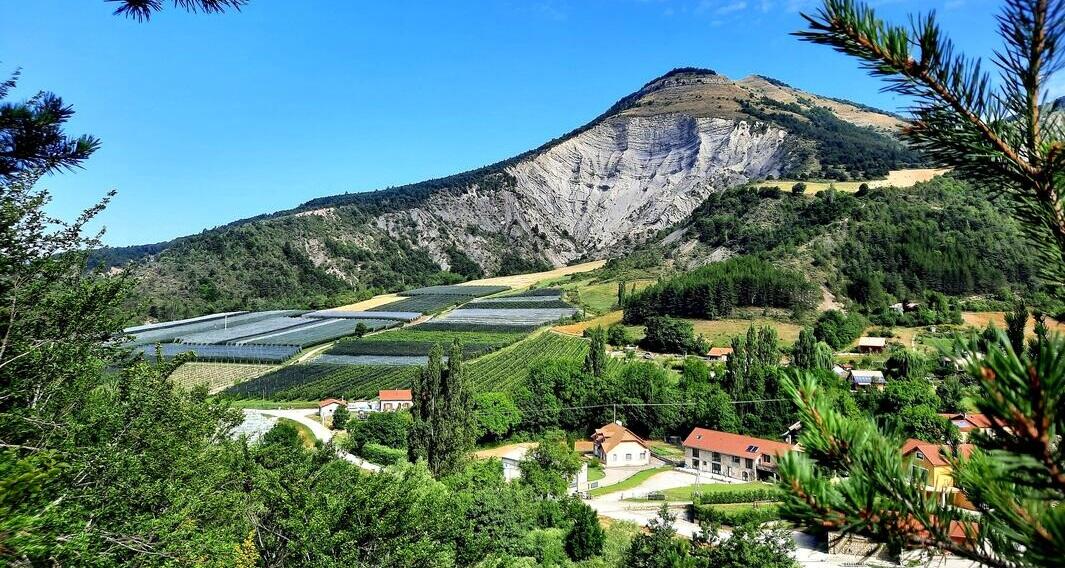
(980, 320)
(719, 332)
(895, 178)
(526, 280)
(371, 303)
(577, 329)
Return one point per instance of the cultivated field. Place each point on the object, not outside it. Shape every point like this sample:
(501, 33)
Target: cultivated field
(170, 331)
(425, 303)
(217, 376)
(528, 317)
(316, 381)
(225, 353)
(507, 368)
(895, 178)
(371, 303)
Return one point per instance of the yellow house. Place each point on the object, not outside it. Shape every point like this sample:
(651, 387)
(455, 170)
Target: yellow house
(928, 463)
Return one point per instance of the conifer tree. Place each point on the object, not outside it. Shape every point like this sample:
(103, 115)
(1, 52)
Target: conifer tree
(851, 477)
(443, 430)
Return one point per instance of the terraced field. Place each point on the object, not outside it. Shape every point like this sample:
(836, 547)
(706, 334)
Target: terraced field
(519, 303)
(217, 376)
(317, 381)
(320, 332)
(421, 348)
(413, 341)
(505, 369)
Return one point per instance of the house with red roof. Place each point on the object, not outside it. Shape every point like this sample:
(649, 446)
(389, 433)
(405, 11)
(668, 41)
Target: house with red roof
(928, 463)
(396, 399)
(327, 407)
(735, 456)
(616, 446)
(968, 423)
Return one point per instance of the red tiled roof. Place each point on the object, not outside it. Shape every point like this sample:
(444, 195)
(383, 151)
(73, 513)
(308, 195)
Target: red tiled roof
(979, 421)
(400, 394)
(328, 401)
(612, 434)
(734, 444)
(719, 351)
(932, 451)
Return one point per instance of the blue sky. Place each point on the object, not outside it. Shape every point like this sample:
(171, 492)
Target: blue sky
(208, 119)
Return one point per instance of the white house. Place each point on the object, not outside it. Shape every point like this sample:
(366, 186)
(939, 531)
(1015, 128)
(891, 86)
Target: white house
(616, 446)
(397, 399)
(512, 457)
(327, 407)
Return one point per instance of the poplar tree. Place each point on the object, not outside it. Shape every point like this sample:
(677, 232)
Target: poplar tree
(595, 360)
(851, 477)
(443, 430)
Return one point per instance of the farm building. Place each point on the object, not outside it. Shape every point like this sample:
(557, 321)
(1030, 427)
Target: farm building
(872, 344)
(719, 353)
(860, 379)
(616, 445)
(327, 407)
(735, 456)
(929, 464)
(395, 399)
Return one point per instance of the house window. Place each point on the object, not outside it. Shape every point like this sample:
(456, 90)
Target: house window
(736, 460)
(717, 456)
(919, 473)
(750, 463)
(766, 458)
(715, 467)
(643, 455)
(695, 464)
(614, 458)
(628, 457)
(695, 452)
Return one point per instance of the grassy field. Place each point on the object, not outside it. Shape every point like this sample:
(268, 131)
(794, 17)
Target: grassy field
(595, 472)
(686, 493)
(895, 178)
(661, 448)
(217, 376)
(630, 482)
(720, 332)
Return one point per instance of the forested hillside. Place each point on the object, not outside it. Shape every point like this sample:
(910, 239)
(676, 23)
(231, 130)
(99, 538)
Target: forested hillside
(879, 246)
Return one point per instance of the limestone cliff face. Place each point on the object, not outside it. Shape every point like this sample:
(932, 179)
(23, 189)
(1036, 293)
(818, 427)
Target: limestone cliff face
(614, 185)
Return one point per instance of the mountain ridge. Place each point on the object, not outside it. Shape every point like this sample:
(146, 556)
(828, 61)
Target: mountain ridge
(642, 165)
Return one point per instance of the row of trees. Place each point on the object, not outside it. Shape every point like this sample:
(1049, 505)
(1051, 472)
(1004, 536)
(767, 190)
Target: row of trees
(713, 291)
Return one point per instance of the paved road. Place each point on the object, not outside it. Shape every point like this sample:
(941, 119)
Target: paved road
(308, 418)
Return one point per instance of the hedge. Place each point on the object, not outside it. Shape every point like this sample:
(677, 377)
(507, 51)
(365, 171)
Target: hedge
(756, 514)
(739, 496)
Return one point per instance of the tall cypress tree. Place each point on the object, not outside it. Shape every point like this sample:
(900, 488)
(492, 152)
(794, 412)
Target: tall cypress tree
(595, 360)
(443, 429)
